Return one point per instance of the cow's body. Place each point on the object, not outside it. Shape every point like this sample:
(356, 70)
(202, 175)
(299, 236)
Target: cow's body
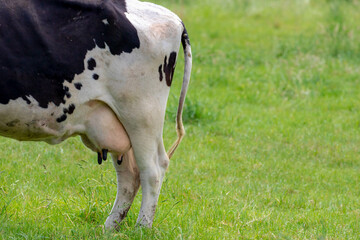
(100, 69)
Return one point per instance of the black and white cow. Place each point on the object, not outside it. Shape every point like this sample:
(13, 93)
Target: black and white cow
(101, 69)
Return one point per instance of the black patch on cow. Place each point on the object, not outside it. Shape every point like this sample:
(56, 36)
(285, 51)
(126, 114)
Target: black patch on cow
(95, 76)
(78, 86)
(44, 43)
(91, 64)
(65, 110)
(169, 68)
(160, 73)
(68, 94)
(71, 108)
(185, 38)
(62, 118)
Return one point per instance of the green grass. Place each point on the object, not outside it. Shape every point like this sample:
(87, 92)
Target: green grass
(272, 146)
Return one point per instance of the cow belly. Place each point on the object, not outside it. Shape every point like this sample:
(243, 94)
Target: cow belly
(29, 122)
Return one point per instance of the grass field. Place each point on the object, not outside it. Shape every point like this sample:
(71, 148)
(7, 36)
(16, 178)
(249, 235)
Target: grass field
(272, 147)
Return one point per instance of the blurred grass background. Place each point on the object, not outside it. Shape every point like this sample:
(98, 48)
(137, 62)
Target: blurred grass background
(272, 145)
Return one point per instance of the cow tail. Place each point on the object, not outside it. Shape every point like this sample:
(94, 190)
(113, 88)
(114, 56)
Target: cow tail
(187, 73)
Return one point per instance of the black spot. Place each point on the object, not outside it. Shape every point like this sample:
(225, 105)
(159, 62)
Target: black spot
(91, 64)
(71, 108)
(161, 73)
(96, 76)
(185, 38)
(169, 68)
(44, 43)
(78, 86)
(66, 89)
(62, 118)
(65, 110)
(68, 94)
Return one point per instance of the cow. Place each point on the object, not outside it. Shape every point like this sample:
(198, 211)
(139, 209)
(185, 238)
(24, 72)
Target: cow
(101, 70)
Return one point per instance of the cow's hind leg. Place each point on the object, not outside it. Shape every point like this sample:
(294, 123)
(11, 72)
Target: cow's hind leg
(104, 132)
(151, 159)
(153, 162)
(128, 183)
